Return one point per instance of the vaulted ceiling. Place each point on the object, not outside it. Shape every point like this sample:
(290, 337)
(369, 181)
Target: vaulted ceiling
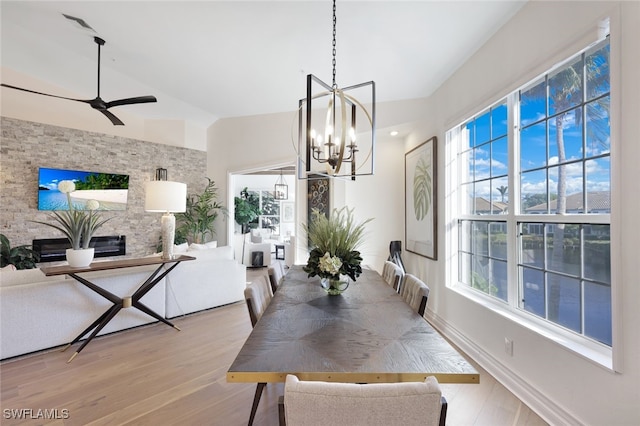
(205, 60)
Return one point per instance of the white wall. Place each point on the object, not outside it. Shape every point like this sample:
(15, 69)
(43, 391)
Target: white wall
(380, 197)
(562, 386)
(77, 115)
(243, 144)
(258, 142)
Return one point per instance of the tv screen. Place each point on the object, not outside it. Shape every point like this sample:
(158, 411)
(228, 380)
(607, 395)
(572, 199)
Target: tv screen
(109, 190)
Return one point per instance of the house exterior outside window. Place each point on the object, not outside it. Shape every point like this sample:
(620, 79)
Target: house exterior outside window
(532, 188)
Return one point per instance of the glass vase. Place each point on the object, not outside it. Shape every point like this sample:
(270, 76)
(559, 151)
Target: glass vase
(335, 287)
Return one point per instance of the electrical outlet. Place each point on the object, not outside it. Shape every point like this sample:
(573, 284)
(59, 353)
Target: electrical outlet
(508, 346)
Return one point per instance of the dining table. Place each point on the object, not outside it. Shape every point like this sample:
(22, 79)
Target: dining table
(368, 334)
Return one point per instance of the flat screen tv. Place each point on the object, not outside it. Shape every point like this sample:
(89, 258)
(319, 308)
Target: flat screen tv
(108, 189)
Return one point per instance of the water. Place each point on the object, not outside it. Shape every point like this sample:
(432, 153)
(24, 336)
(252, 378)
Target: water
(56, 200)
(52, 200)
(536, 299)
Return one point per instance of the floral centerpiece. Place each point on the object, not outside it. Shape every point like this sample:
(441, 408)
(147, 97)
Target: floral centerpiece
(78, 226)
(334, 241)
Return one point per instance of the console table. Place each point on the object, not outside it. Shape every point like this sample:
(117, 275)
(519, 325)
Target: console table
(118, 302)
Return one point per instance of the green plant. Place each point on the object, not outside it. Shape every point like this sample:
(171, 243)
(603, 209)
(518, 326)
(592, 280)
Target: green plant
(103, 181)
(78, 226)
(482, 284)
(247, 209)
(198, 221)
(22, 257)
(334, 240)
(422, 188)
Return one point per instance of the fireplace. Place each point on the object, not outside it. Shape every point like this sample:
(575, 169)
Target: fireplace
(53, 249)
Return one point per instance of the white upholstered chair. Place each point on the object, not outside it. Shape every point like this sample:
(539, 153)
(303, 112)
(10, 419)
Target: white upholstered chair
(392, 275)
(311, 403)
(257, 295)
(415, 292)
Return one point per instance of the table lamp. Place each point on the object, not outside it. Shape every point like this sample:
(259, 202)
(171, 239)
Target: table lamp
(167, 197)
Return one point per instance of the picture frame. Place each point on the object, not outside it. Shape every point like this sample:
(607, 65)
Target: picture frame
(318, 191)
(288, 211)
(420, 170)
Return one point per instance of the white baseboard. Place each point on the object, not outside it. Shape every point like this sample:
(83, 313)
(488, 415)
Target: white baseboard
(546, 408)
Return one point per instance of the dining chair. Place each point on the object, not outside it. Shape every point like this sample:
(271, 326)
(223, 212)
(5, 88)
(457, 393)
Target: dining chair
(392, 275)
(415, 292)
(314, 403)
(257, 294)
(276, 273)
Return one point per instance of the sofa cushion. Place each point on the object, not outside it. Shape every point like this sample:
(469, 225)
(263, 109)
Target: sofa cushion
(180, 248)
(10, 278)
(224, 252)
(205, 246)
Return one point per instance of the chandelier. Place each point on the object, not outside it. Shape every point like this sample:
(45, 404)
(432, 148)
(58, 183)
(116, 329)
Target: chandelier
(280, 189)
(338, 141)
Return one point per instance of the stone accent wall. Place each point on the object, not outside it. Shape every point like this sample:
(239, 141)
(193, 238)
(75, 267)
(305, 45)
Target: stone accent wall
(26, 146)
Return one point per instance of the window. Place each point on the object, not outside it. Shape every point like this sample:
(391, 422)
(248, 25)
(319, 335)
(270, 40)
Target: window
(533, 199)
(270, 208)
(269, 217)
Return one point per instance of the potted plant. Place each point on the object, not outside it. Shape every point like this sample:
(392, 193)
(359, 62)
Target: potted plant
(247, 210)
(198, 221)
(334, 241)
(22, 257)
(78, 226)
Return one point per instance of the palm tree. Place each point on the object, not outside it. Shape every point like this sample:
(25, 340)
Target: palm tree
(502, 190)
(565, 89)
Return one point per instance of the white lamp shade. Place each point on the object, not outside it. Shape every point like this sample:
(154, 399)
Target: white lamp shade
(165, 196)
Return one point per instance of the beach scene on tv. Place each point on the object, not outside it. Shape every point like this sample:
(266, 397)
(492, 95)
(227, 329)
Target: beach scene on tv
(84, 189)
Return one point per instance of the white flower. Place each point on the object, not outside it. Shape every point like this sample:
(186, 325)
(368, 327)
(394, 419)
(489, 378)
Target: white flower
(66, 186)
(329, 264)
(93, 205)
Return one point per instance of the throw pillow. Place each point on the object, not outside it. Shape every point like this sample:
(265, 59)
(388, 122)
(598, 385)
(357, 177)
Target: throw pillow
(180, 248)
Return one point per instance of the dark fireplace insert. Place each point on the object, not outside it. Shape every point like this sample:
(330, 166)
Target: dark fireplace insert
(54, 249)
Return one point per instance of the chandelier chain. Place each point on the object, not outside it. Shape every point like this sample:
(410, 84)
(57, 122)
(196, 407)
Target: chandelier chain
(335, 86)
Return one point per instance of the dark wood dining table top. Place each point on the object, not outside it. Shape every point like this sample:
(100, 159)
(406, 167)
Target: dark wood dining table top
(367, 334)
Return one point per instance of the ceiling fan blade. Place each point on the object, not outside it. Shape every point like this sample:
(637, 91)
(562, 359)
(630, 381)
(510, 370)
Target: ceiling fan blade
(45, 94)
(115, 120)
(96, 103)
(131, 101)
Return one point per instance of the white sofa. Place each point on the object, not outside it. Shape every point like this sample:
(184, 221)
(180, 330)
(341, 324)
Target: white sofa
(213, 279)
(39, 312)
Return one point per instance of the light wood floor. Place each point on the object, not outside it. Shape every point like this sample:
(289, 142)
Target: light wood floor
(155, 375)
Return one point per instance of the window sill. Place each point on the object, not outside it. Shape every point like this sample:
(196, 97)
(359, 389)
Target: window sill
(599, 354)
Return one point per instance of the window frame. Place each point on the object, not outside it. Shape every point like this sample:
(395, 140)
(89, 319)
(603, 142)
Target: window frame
(261, 201)
(512, 309)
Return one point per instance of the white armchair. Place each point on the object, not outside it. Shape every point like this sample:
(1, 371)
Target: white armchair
(244, 247)
(251, 248)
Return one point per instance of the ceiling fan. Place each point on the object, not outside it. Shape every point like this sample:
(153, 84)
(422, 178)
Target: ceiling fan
(98, 103)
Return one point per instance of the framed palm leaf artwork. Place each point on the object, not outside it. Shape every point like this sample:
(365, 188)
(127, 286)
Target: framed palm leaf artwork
(420, 199)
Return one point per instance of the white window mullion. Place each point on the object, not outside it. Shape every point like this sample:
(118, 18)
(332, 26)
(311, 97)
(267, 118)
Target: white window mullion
(513, 250)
